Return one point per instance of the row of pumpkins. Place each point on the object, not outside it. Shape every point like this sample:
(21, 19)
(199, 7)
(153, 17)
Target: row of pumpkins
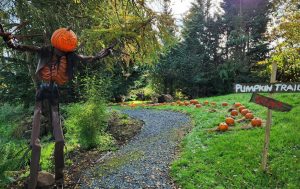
(229, 121)
(248, 115)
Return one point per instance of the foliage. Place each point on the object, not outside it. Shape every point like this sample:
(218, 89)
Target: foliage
(97, 24)
(12, 157)
(285, 37)
(87, 122)
(232, 159)
(214, 52)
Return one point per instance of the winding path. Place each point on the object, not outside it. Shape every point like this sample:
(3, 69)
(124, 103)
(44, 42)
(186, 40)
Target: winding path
(144, 161)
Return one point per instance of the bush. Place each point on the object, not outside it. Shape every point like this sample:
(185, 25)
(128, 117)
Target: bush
(87, 122)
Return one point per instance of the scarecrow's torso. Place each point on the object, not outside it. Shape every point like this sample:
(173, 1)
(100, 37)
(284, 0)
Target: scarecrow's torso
(55, 70)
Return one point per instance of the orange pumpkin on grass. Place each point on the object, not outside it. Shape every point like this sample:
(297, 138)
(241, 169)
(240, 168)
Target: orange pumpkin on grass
(241, 108)
(249, 116)
(198, 105)
(256, 122)
(223, 127)
(244, 112)
(229, 121)
(234, 113)
(237, 104)
(186, 103)
(224, 104)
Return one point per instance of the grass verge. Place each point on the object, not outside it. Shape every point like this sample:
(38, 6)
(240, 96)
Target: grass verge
(232, 159)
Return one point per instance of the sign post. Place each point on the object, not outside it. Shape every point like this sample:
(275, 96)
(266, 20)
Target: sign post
(268, 124)
(268, 102)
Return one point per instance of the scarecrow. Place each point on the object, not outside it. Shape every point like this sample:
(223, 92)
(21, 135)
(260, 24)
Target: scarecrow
(55, 68)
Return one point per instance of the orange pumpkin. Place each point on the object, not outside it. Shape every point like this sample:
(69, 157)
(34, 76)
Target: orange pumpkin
(198, 105)
(241, 108)
(244, 112)
(223, 127)
(234, 113)
(206, 102)
(132, 105)
(256, 122)
(186, 103)
(229, 121)
(194, 101)
(224, 104)
(237, 104)
(64, 40)
(249, 116)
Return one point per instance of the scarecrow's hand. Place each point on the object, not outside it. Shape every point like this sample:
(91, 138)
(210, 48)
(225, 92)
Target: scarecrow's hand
(103, 53)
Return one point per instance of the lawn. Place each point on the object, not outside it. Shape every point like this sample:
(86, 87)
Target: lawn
(232, 159)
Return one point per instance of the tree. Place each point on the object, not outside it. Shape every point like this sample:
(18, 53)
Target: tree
(97, 24)
(285, 37)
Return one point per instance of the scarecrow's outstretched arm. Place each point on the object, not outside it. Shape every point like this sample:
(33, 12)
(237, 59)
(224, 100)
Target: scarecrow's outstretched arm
(103, 53)
(8, 39)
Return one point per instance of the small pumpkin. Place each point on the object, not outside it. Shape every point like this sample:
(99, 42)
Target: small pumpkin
(256, 122)
(194, 101)
(198, 105)
(223, 127)
(229, 121)
(64, 39)
(132, 105)
(234, 113)
(224, 104)
(244, 111)
(237, 104)
(206, 102)
(249, 115)
(241, 108)
(186, 103)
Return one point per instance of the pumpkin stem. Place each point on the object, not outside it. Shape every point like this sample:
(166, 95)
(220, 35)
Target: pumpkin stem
(69, 28)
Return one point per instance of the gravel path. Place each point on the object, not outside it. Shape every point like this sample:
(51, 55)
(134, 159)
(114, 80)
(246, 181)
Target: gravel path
(144, 161)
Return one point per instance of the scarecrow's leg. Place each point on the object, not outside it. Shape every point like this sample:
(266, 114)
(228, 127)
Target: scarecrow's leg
(36, 147)
(59, 143)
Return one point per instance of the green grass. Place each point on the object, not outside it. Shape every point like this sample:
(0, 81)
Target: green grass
(232, 159)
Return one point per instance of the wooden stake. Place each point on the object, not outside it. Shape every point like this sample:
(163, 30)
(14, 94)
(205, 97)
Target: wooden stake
(268, 123)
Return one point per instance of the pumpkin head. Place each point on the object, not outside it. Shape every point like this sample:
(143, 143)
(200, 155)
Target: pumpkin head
(224, 104)
(237, 104)
(256, 122)
(244, 112)
(64, 39)
(223, 127)
(241, 108)
(229, 121)
(234, 113)
(249, 116)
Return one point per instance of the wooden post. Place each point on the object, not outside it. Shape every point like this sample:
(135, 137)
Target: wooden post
(268, 123)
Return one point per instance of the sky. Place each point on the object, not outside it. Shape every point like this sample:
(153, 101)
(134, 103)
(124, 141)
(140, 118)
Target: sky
(181, 7)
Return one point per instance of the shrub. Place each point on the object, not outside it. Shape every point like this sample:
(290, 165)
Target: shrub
(87, 122)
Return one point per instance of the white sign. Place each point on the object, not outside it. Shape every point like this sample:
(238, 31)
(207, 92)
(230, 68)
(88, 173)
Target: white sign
(267, 88)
